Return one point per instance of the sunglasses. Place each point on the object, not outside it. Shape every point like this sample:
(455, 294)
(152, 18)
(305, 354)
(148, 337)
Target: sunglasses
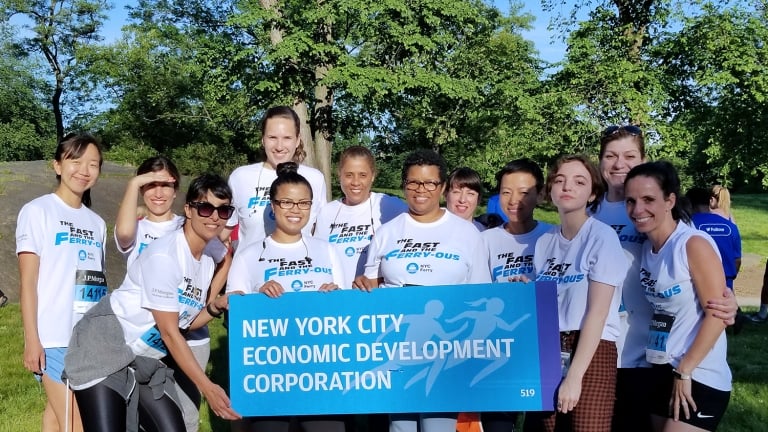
(628, 129)
(205, 209)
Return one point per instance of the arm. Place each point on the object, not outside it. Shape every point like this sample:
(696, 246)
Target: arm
(598, 303)
(708, 280)
(29, 267)
(168, 324)
(220, 277)
(125, 225)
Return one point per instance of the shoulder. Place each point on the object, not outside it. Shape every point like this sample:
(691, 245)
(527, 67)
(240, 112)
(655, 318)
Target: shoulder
(244, 171)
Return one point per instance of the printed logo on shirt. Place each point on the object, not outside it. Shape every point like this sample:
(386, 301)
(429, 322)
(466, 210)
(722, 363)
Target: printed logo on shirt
(189, 294)
(349, 233)
(513, 265)
(410, 249)
(297, 285)
(292, 268)
(150, 238)
(631, 236)
(412, 268)
(74, 235)
(649, 286)
(82, 255)
(261, 199)
(350, 251)
(555, 271)
(716, 230)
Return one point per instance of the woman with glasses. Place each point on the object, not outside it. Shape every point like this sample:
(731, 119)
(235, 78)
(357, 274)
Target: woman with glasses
(114, 361)
(288, 261)
(681, 270)
(251, 183)
(157, 182)
(621, 149)
(583, 257)
(350, 222)
(456, 255)
(60, 247)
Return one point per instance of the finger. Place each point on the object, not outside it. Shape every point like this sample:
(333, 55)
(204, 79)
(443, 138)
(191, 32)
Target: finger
(686, 412)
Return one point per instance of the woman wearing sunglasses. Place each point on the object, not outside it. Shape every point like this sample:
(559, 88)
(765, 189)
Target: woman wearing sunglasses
(157, 182)
(621, 149)
(288, 261)
(457, 255)
(114, 361)
(251, 183)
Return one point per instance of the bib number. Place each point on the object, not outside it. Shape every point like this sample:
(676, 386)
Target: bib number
(658, 335)
(150, 344)
(90, 287)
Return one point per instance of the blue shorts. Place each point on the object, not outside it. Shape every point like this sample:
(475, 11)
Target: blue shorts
(54, 364)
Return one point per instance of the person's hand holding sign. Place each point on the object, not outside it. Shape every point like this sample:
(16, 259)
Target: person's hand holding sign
(272, 289)
(365, 284)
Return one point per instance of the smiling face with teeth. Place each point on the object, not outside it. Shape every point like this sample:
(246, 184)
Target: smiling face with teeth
(616, 159)
(290, 222)
(648, 206)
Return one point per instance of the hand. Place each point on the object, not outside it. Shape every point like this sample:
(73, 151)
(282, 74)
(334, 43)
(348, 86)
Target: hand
(681, 398)
(151, 177)
(519, 278)
(34, 357)
(364, 284)
(219, 402)
(725, 308)
(568, 394)
(272, 289)
(328, 287)
(222, 302)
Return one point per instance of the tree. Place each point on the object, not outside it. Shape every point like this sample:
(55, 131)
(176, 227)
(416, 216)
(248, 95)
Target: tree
(59, 29)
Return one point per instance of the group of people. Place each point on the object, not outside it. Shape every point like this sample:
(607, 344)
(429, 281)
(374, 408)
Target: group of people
(642, 299)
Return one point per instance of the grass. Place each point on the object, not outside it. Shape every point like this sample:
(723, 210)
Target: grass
(22, 399)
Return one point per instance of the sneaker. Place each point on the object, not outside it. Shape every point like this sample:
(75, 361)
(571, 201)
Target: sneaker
(3, 300)
(756, 318)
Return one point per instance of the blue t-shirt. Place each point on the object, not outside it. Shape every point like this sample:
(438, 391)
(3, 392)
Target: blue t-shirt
(726, 235)
(493, 207)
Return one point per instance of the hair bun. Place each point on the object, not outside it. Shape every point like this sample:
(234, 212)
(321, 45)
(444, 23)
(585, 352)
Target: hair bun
(287, 168)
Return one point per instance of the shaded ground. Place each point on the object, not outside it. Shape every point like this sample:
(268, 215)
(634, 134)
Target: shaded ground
(22, 181)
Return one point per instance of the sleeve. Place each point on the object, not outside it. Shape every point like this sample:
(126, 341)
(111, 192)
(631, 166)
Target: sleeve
(736, 241)
(124, 252)
(160, 279)
(239, 277)
(479, 272)
(373, 262)
(232, 221)
(338, 273)
(30, 230)
(607, 262)
(216, 249)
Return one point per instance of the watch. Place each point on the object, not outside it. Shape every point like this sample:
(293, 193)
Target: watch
(681, 376)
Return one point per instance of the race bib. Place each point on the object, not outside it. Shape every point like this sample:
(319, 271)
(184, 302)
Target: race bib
(658, 335)
(150, 344)
(90, 287)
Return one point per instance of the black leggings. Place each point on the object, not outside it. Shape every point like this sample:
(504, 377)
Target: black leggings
(104, 410)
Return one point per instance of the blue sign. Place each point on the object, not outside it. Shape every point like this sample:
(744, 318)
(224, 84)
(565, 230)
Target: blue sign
(488, 347)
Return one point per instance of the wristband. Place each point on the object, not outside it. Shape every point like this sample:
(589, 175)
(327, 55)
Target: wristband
(679, 375)
(209, 309)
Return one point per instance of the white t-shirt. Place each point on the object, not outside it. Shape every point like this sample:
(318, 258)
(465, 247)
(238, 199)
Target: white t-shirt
(594, 254)
(511, 255)
(666, 280)
(448, 251)
(301, 266)
(250, 197)
(146, 232)
(634, 329)
(165, 277)
(70, 244)
(349, 228)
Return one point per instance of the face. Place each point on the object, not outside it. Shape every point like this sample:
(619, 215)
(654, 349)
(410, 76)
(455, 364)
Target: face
(158, 196)
(462, 201)
(421, 202)
(206, 227)
(619, 157)
(280, 140)
(572, 187)
(646, 204)
(80, 174)
(291, 221)
(518, 197)
(356, 177)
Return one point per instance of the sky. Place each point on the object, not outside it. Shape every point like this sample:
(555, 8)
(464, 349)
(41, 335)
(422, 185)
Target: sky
(550, 49)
